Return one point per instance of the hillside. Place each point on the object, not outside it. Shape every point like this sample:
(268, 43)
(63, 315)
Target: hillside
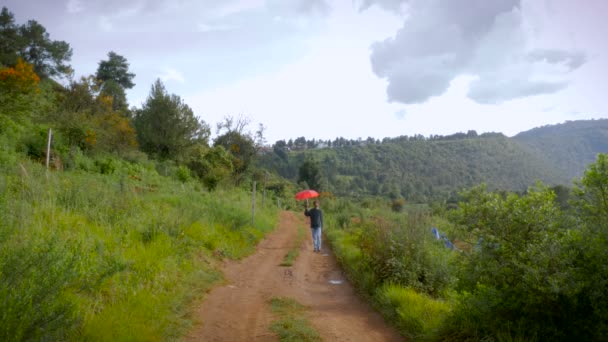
(569, 146)
(419, 168)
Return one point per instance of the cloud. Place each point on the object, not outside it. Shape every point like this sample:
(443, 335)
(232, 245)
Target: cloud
(494, 91)
(203, 27)
(74, 6)
(391, 5)
(313, 7)
(443, 39)
(572, 60)
(171, 74)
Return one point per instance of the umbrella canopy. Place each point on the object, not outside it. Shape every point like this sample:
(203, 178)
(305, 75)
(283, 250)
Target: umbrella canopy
(306, 194)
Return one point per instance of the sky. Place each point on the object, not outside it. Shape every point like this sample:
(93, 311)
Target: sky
(355, 69)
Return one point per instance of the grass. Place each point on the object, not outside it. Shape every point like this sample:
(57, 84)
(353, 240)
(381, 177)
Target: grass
(417, 316)
(119, 256)
(292, 324)
(293, 253)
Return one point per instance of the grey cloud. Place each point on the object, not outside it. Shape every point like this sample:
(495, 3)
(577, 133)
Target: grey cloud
(313, 7)
(490, 91)
(296, 8)
(442, 39)
(573, 60)
(391, 5)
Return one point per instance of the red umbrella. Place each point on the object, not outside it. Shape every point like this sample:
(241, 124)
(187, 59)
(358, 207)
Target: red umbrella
(306, 194)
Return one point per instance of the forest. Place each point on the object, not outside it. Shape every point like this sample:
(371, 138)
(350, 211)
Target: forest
(115, 219)
(421, 169)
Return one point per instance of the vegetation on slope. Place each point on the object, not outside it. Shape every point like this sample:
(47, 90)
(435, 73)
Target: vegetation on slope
(525, 269)
(105, 243)
(570, 146)
(419, 170)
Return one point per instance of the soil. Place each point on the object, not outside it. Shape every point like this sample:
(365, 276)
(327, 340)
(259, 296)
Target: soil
(240, 309)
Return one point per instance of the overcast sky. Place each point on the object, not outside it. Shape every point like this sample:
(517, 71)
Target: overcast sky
(324, 69)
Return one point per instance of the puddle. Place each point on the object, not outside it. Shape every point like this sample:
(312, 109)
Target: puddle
(325, 254)
(336, 282)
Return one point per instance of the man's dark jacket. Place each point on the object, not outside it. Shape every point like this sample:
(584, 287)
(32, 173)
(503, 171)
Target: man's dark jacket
(316, 217)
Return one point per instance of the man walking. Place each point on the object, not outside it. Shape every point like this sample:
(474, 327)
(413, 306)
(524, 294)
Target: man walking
(316, 224)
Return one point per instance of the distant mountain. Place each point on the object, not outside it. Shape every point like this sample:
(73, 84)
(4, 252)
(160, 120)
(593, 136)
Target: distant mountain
(568, 147)
(419, 168)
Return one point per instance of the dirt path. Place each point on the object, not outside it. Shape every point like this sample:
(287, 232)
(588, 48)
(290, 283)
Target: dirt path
(239, 311)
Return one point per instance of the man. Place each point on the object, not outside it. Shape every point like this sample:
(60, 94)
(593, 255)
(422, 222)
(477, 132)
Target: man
(316, 224)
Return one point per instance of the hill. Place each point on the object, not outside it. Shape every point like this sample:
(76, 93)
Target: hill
(419, 168)
(570, 146)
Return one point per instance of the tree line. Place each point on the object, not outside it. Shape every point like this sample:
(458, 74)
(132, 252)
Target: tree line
(91, 115)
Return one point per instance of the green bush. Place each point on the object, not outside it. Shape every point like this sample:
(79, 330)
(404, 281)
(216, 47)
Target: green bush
(402, 251)
(36, 276)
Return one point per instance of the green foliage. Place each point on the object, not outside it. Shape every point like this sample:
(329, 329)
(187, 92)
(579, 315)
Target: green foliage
(32, 43)
(310, 173)
(115, 77)
(116, 252)
(528, 275)
(35, 275)
(241, 147)
(592, 193)
(568, 147)
(420, 170)
(292, 325)
(115, 69)
(402, 251)
(211, 165)
(166, 126)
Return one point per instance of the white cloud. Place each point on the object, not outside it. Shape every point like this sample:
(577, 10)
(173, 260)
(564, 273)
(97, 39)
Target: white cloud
(171, 74)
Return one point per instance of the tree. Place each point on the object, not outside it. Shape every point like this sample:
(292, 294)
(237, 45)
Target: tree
(242, 148)
(116, 69)
(115, 77)
(241, 144)
(591, 202)
(86, 119)
(310, 172)
(19, 79)
(9, 38)
(32, 43)
(166, 126)
(592, 192)
(48, 57)
(19, 87)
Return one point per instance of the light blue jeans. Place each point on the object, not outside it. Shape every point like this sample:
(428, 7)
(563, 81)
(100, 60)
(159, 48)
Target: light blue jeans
(316, 238)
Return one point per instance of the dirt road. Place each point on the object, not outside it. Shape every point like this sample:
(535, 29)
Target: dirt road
(239, 311)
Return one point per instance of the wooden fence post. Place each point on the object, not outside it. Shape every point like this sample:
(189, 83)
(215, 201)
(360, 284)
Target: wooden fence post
(253, 205)
(48, 149)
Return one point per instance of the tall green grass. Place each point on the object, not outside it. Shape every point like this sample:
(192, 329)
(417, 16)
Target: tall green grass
(394, 262)
(113, 252)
